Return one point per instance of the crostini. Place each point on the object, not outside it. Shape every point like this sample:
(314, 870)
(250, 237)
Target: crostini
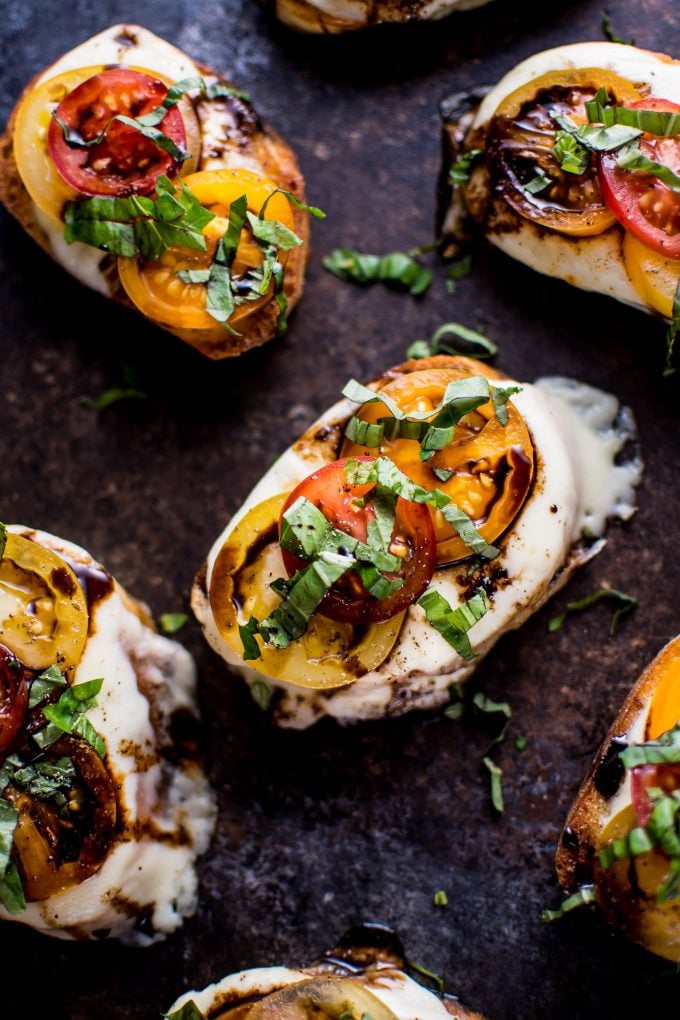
(569, 165)
(386, 551)
(621, 843)
(334, 16)
(151, 179)
(103, 802)
(363, 977)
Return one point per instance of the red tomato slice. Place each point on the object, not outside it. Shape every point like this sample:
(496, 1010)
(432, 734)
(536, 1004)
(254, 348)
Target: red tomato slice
(644, 776)
(13, 697)
(124, 162)
(643, 204)
(413, 538)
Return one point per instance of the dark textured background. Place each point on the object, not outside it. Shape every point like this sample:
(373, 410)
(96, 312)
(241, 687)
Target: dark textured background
(321, 829)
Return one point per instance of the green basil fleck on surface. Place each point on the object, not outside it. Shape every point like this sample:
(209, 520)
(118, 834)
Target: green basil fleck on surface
(397, 267)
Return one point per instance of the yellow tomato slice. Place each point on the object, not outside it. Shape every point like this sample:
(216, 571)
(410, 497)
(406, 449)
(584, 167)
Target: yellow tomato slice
(156, 289)
(43, 610)
(654, 277)
(627, 891)
(664, 711)
(34, 163)
(329, 654)
(491, 464)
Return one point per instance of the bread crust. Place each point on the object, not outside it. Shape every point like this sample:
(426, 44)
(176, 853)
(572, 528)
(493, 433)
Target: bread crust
(256, 143)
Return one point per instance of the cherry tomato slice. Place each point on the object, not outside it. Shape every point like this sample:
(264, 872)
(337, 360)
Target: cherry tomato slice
(124, 162)
(491, 465)
(413, 540)
(521, 138)
(13, 697)
(157, 290)
(642, 203)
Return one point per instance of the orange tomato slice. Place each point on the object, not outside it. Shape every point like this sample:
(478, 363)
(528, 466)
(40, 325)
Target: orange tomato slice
(491, 464)
(157, 290)
(654, 277)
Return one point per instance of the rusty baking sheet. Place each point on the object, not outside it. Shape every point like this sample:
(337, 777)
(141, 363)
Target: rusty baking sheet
(319, 830)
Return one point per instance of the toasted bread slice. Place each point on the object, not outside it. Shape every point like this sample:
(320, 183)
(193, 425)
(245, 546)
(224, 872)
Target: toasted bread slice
(232, 136)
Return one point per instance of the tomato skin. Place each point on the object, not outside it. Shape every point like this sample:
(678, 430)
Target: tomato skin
(348, 601)
(13, 697)
(644, 776)
(124, 162)
(644, 205)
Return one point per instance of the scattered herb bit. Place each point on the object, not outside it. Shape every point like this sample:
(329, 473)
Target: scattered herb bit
(495, 774)
(397, 267)
(189, 1011)
(581, 898)
(113, 396)
(139, 225)
(438, 981)
(170, 623)
(609, 34)
(656, 122)
(261, 694)
(247, 632)
(454, 624)
(313, 210)
(538, 183)
(473, 342)
(665, 750)
(3, 539)
(626, 604)
(489, 707)
(460, 170)
(572, 156)
(520, 743)
(499, 398)
(459, 269)
(440, 899)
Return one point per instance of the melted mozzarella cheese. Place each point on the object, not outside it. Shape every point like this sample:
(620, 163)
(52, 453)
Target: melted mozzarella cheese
(404, 997)
(537, 555)
(168, 811)
(359, 13)
(591, 263)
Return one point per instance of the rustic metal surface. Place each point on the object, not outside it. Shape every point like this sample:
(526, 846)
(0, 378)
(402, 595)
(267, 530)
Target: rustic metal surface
(321, 829)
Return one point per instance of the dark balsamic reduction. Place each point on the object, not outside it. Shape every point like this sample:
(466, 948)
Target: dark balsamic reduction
(610, 771)
(570, 839)
(95, 581)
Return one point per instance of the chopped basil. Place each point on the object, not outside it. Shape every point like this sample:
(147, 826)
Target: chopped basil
(3, 539)
(289, 620)
(396, 267)
(581, 898)
(440, 899)
(385, 473)
(218, 90)
(633, 159)
(11, 891)
(247, 632)
(443, 474)
(626, 604)
(473, 342)
(170, 623)
(656, 122)
(313, 210)
(458, 270)
(520, 743)
(261, 693)
(438, 981)
(68, 716)
(572, 157)
(538, 183)
(159, 139)
(495, 776)
(47, 780)
(459, 172)
(454, 624)
(499, 397)
(596, 139)
(139, 225)
(273, 232)
(44, 684)
(672, 332)
(609, 34)
(665, 750)
(189, 1011)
